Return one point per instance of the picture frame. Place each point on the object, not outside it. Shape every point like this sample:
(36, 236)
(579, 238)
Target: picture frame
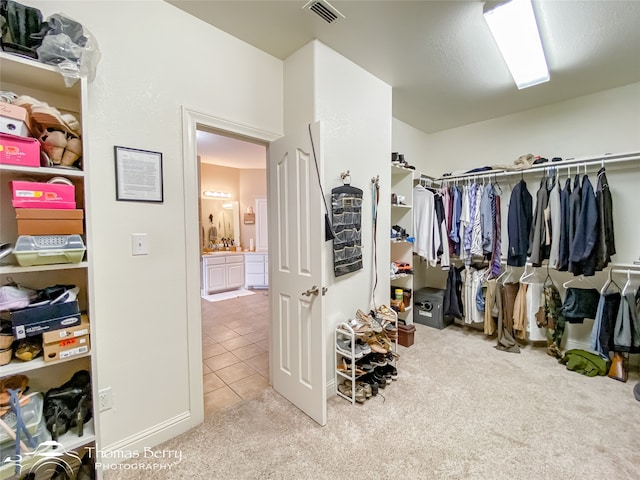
(138, 175)
(249, 218)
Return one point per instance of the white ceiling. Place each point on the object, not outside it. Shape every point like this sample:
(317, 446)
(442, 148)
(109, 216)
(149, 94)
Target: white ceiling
(230, 152)
(439, 56)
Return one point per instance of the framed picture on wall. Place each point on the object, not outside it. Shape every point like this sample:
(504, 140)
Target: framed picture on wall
(138, 175)
(249, 218)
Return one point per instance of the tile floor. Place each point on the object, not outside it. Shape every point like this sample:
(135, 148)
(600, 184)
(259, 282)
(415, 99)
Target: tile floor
(235, 349)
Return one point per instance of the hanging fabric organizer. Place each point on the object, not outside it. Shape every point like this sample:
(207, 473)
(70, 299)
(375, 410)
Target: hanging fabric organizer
(346, 209)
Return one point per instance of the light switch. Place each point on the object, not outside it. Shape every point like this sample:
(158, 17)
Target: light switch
(139, 244)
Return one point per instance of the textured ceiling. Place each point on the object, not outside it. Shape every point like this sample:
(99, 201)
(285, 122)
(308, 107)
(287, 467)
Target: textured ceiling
(439, 56)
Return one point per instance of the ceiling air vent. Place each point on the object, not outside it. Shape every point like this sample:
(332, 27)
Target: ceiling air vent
(324, 10)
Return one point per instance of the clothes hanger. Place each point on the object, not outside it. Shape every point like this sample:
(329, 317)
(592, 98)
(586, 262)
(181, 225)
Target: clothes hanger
(508, 271)
(610, 281)
(526, 275)
(628, 284)
(580, 279)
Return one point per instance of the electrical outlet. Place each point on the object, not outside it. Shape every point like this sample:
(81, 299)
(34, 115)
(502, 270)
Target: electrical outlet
(105, 399)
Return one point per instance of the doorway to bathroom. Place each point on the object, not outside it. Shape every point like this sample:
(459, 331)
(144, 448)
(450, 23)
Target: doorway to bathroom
(234, 268)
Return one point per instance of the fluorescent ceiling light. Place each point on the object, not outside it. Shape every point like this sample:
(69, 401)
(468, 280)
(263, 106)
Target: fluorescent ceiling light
(513, 26)
(222, 195)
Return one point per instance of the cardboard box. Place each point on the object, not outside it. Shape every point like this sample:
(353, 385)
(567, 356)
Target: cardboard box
(14, 120)
(67, 348)
(40, 221)
(43, 195)
(31, 321)
(22, 151)
(56, 336)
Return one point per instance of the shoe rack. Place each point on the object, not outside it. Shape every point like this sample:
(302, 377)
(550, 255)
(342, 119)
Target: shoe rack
(401, 244)
(44, 83)
(350, 375)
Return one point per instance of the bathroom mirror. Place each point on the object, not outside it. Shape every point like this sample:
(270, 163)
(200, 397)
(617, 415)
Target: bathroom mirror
(219, 224)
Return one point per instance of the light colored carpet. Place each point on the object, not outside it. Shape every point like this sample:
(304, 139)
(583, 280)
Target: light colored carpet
(217, 297)
(459, 410)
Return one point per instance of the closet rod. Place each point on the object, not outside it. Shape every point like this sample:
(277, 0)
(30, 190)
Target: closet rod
(602, 160)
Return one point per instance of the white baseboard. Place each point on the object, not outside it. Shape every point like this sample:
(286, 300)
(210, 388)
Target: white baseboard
(149, 438)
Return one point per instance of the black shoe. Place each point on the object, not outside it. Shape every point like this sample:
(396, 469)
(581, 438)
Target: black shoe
(390, 370)
(384, 372)
(380, 378)
(372, 382)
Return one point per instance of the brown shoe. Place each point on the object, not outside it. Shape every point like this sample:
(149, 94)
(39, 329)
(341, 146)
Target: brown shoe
(617, 370)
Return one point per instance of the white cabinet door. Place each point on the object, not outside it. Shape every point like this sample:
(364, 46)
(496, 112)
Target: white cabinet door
(235, 275)
(216, 278)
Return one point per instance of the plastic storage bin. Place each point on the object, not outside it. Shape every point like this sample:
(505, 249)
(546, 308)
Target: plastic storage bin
(48, 249)
(32, 416)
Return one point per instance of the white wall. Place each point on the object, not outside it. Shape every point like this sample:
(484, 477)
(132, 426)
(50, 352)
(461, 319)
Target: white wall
(355, 108)
(411, 142)
(155, 58)
(604, 122)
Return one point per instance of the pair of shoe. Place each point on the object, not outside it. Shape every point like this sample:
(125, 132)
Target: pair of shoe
(389, 372)
(47, 116)
(356, 392)
(62, 148)
(345, 367)
(69, 405)
(344, 346)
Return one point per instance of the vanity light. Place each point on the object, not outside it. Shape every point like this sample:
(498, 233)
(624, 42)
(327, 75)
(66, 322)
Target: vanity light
(208, 193)
(513, 26)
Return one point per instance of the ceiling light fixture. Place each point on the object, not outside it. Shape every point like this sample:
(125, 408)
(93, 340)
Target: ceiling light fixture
(208, 193)
(513, 26)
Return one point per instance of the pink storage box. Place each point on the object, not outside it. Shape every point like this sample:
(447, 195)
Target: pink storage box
(43, 195)
(23, 151)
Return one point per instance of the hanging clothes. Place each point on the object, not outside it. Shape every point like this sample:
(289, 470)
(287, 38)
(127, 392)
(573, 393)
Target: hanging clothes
(470, 221)
(441, 238)
(626, 333)
(555, 225)
(583, 252)
(492, 307)
(535, 312)
(465, 222)
(565, 220)
(538, 249)
(506, 341)
(603, 326)
(454, 233)
(519, 219)
(452, 302)
(476, 235)
(496, 250)
(487, 219)
(424, 222)
(553, 320)
(606, 240)
(580, 303)
(520, 313)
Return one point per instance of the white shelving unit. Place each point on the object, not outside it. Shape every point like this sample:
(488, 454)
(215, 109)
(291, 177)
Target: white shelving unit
(26, 77)
(402, 250)
(345, 331)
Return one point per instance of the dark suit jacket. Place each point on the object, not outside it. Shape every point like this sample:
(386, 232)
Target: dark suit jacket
(519, 220)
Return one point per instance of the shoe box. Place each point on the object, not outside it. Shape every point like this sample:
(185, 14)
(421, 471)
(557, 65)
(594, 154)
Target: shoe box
(406, 334)
(31, 321)
(43, 195)
(428, 309)
(44, 221)
(15, 120)
(72, 346)
(22, 151)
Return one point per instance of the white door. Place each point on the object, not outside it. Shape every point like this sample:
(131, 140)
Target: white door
(262, 224)
(296, 236)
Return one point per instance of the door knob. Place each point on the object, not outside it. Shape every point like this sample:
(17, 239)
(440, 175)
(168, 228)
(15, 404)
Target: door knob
(312, 291)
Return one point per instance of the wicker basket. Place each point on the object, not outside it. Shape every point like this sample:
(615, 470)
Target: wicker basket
(6, 339)
(5, 355)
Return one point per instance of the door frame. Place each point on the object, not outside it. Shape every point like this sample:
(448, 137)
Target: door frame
(191, 120)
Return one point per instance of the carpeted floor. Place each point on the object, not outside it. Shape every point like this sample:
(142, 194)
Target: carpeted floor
(459, 410)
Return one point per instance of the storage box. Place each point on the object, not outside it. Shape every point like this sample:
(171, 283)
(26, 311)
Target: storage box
(40, 221)
(429, 308)
(31, 321)
(23, 151)
(48, 249)
(67, 348)
(65, 333)
(406, 334)
(14, 120)
(43, 195)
